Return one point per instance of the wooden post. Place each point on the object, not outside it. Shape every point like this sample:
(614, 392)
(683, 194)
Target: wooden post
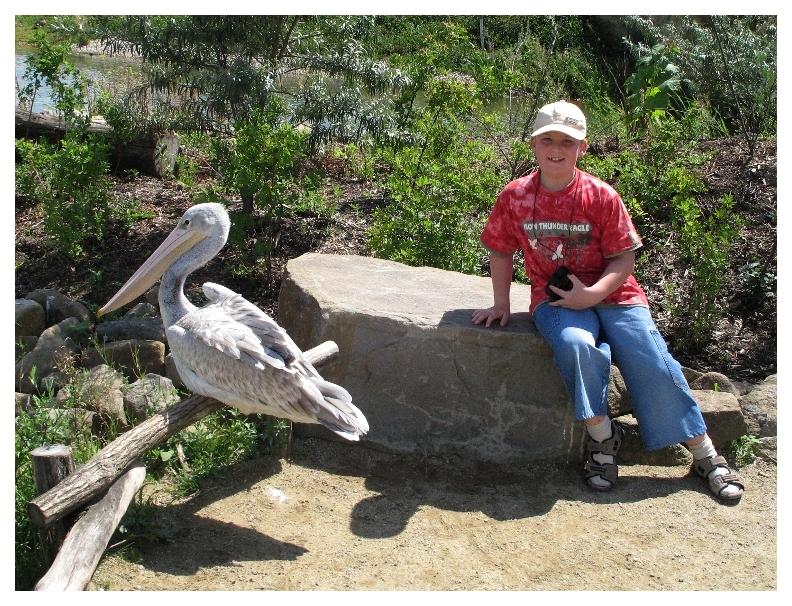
(51, 464)
(95, 477)
(83, 548)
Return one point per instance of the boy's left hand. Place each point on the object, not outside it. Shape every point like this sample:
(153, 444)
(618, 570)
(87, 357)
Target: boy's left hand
(579, 297)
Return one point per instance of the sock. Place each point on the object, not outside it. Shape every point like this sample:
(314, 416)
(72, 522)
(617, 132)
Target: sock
(600, 432)
(705, 450)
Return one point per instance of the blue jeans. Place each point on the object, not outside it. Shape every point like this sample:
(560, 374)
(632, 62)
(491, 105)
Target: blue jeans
(582, 343)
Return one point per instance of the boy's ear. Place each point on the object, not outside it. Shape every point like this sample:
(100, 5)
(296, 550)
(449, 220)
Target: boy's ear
(583, 147)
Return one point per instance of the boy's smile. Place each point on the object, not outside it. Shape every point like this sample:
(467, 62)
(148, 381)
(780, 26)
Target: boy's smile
(557, 155)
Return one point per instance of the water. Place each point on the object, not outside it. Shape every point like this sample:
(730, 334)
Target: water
(120, 73)
(113, 73)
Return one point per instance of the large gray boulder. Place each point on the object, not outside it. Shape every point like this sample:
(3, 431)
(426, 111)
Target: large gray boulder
(428, 380)
(133, 357)
(55, 342)
(28, 318)
(58, 307)
(760, 408)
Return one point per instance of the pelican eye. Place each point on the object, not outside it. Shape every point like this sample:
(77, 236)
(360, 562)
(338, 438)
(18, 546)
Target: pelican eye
(186, 223)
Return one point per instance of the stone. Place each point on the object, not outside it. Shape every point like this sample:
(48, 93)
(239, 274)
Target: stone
(99, 391)
(429, 381)
(143, 311)
(54, 382)
(28, 318)
(75, 418)
(150, 393)
(760, 408)
(23, 403)
(128, 329)
(54, 342)
(618, 398)
(722, 415)
(691, 374)
(133, 357)
(172, 372)
(767, 449)
(58, 307)
(152, 296)
(24, 345)
(714, 381)
(632, 451)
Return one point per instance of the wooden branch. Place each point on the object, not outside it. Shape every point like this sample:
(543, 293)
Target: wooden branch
(91, 480)
(83, 548)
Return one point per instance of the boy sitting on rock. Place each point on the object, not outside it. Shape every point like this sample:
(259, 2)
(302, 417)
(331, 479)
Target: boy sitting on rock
(579, 245)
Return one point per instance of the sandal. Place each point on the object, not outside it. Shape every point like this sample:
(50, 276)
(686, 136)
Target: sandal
(606, 471)
(718, 483)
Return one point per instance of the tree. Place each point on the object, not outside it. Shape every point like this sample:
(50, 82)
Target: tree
(213, 71)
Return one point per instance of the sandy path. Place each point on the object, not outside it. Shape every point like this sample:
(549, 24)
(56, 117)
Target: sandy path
(336, 518)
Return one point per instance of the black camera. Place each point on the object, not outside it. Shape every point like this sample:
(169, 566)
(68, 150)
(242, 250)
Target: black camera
(559, 279)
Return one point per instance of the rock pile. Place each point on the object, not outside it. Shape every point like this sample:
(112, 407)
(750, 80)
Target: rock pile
(112, 373)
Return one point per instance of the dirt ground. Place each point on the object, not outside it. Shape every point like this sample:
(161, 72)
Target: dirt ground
(339, 517)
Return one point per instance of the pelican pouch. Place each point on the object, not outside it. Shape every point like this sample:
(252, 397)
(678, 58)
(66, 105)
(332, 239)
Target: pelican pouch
(559, 279)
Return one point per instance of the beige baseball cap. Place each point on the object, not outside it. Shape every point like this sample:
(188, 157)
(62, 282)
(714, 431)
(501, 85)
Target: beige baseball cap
(560, 116)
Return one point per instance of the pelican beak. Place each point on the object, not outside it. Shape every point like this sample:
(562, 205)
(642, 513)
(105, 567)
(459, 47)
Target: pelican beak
(175, 245)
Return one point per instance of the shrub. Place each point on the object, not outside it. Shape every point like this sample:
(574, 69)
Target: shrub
(71, 183)
(439, 191)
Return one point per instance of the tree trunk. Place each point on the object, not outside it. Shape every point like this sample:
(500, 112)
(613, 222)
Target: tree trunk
(51, 464)
(92, 479)
(151, 155)
(83, 548)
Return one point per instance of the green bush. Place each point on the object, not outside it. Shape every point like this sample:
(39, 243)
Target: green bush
(439, 191)
(72, 185)
(705, 243)
(34, 429)
(215, 442)
(262, 163)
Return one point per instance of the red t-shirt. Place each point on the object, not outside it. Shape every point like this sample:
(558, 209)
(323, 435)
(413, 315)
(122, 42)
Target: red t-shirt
(581, 226)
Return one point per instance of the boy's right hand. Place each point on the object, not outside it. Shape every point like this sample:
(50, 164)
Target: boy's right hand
(491, 314)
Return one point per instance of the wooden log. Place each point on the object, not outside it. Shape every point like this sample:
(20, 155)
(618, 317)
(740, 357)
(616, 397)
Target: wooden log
(86, 542)
(51, 464)
(153, 155)
(92, 479)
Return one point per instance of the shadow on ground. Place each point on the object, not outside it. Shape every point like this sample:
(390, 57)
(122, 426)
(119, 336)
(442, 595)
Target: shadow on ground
(404, 485)
(181, 523)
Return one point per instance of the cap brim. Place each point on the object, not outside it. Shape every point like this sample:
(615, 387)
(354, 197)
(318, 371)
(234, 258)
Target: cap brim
(559, 128)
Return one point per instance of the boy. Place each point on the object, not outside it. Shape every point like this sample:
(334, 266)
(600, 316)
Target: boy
(569, 222)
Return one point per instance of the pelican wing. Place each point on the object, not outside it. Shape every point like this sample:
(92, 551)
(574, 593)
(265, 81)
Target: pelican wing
(267, 330)
(254, 366)
(223, 359)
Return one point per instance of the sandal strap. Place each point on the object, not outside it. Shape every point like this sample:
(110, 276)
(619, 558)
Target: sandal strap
(607, 471)
(610, 446)
(727, 479)
(703, 467)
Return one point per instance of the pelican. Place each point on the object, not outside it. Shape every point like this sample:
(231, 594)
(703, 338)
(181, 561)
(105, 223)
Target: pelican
(229, 349)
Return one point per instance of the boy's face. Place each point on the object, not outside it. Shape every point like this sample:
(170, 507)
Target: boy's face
(557, 153)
